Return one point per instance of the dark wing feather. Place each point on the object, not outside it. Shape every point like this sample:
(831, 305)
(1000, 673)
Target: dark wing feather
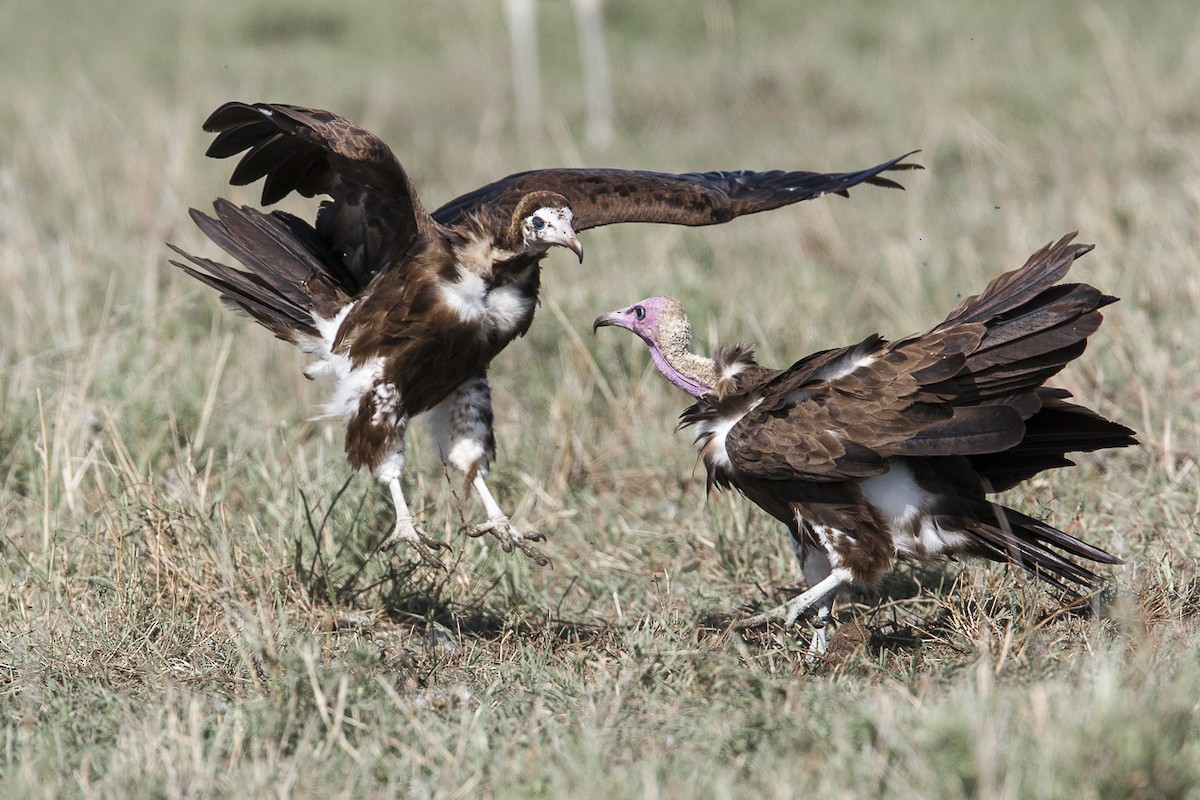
(606, 196)
(839, 414)
(1041, 271)
(826, 419)
(964, 388)
(374, 215)
(1006, 535)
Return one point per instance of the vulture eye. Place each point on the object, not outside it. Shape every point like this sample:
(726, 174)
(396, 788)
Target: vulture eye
(538, 223)
(639, 312)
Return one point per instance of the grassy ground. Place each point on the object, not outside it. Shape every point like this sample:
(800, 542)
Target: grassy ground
(189, 606)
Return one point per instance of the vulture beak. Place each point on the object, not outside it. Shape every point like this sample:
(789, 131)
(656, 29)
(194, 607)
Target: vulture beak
(561, 233)
(575, 247)
(614, 318)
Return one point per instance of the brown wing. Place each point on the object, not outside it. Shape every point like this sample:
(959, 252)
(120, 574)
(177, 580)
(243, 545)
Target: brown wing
(840, 413)
(374, 215)
(964, 388)
(606, 196)
(1042, 270)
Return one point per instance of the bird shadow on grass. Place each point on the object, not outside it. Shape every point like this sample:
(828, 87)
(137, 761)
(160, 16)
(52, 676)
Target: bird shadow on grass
(913, 608)
(348, 580)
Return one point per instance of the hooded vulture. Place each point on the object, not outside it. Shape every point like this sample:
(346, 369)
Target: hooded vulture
(406, 309)
(887, 449)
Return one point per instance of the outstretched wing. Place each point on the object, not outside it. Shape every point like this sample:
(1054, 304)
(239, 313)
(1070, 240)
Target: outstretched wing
(374, 215)
(606, 196)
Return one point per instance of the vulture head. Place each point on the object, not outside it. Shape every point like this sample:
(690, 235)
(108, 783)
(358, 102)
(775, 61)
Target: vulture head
(662, 324)
(655, 319)
(545, 219)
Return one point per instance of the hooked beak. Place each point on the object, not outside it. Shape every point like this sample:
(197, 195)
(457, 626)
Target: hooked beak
(564, 234)
(611, 318)
(560, 232)
(574, 246)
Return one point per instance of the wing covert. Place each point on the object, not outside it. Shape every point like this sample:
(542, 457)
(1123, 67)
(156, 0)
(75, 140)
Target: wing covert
(839, 414)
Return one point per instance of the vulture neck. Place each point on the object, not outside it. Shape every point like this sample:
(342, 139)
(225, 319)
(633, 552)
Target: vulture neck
(694, 374)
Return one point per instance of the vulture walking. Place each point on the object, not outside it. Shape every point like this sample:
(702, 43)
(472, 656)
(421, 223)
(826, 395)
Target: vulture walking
(406, 309)
(888, 449)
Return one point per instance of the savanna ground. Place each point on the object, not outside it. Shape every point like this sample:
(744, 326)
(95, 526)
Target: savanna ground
(191, 606)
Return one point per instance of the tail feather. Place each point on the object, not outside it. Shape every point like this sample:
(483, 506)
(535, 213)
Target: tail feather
(1033, 327)
(1056, 429)
(1022, 540)
(273, 263)
(274, 312)
(290, 273)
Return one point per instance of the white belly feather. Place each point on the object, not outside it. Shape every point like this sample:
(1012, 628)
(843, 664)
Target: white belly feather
(904, 506)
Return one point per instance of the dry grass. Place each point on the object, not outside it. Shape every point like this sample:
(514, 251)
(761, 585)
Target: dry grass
(189, 604)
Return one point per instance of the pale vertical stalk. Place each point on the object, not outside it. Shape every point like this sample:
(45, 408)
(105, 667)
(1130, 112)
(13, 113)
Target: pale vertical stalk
(46, 472)
(527, 84)
(597, 85)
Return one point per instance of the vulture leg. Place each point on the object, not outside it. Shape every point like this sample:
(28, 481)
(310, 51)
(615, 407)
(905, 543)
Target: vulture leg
(406, 530)
(814, 563)
(793, 608)
(461, 426)
(499, 525)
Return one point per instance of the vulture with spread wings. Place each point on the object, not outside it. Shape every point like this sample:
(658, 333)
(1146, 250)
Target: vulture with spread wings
(405, 308)
(887, 449)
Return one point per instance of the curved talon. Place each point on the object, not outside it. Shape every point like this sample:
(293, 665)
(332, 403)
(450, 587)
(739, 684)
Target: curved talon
(509, 536)
(809, 600)
(475, 531)
(427, 554)
(539, 558)
(425, 545)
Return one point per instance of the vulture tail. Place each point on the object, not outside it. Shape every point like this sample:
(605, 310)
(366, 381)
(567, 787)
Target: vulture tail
(1056, 429)
(1005, 535)
(290, 273)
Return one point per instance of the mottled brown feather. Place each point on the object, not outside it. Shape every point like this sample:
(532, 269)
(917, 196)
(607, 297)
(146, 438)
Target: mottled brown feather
(374, 215)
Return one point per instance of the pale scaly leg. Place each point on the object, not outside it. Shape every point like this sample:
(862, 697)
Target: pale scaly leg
(499, 525)
(814, 563)
(378, 414)
(461, 426)
(789, 611)
(406, 530)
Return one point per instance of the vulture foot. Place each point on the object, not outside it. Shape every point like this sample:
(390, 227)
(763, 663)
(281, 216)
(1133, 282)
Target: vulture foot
(408, 533)
(819, 644)
(511, 536)
(793, 608)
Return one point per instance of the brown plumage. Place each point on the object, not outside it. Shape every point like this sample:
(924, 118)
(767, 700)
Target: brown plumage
(406, 308)
(889, 448)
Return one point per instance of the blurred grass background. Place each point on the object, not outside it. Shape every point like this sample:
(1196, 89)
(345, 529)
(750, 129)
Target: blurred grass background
(173, 538)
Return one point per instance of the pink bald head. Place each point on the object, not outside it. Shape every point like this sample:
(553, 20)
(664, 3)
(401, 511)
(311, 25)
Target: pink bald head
(662, 324)
(641, 318)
